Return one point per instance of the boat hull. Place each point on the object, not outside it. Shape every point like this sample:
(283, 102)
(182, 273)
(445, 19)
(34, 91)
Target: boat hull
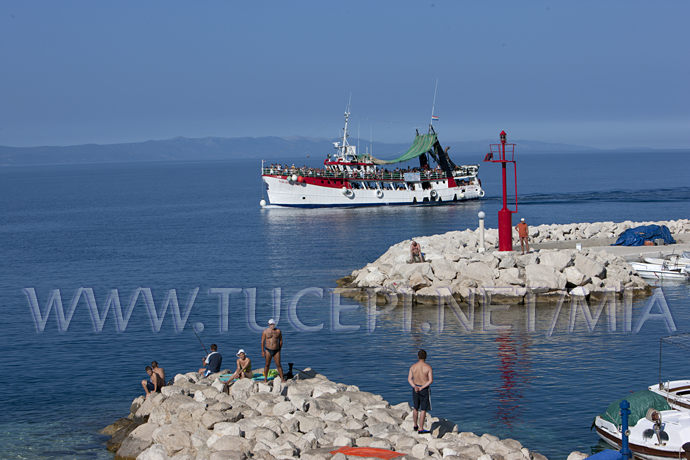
(658, 272)
(284, 192)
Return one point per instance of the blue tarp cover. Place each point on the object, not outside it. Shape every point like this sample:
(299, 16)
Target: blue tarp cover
(638, 235)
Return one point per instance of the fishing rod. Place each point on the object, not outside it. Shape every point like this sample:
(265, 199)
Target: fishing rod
(199, 339)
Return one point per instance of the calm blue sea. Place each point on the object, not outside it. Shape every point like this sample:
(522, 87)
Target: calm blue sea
(185, 226)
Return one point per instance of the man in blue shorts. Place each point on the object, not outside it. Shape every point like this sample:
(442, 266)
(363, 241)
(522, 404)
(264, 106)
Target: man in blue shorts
(420, 378)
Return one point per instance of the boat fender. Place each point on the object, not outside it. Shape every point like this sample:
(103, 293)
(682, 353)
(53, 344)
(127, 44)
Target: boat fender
(481, 194)
(294, 177)
(434, 194)
(379, 193)
(300, 179)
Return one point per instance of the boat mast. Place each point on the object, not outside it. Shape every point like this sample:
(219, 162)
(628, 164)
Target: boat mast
(347, 119)
(433, 106)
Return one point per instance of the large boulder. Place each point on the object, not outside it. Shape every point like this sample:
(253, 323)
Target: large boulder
(589, 266)
(556, 259)
(418, 281)
(575, 277)
(483, 274)
(443, 270)
(172, 438)
(544, 278)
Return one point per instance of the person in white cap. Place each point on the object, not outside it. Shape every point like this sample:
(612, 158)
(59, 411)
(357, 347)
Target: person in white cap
(523, 234)
(271, 344)
(244, 366)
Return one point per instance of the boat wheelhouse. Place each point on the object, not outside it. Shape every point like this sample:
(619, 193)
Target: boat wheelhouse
(350, 179)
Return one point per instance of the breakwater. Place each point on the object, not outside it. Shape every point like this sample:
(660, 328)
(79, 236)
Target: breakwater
(306, 417)
(455, 265)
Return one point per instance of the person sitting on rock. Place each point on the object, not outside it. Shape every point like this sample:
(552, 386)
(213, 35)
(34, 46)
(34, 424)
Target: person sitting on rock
(416, 253)
(154, 384)
(158, 370)
(212, 361)
(244, 366)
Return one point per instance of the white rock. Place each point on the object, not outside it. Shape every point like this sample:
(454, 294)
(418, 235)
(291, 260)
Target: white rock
(155, 452)
(420, 450)
(575, 276)
(577, 456)
(172, 438)
(556, 259)
(580, 291)
(443, 270)
(588, 266)
(543, 278)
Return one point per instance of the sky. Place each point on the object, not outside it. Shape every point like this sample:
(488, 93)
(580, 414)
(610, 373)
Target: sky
(608, 74)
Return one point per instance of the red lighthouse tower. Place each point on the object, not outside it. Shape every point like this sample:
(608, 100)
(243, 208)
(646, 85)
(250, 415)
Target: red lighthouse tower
(505, 153)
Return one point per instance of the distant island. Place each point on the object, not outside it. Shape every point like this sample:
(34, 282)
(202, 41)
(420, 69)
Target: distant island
(219, 148)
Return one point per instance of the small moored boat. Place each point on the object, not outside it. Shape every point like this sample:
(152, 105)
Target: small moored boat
(656, 431)
(660, 272)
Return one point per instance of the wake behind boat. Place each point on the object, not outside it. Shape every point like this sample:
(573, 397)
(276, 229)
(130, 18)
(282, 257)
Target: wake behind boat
(350, 179)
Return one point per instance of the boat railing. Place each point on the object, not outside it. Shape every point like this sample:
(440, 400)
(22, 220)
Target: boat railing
(352, 175)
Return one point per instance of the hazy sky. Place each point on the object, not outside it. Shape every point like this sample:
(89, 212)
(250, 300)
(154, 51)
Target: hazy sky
(599, 73)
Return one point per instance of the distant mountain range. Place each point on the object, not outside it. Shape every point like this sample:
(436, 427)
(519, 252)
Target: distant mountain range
(218, 148)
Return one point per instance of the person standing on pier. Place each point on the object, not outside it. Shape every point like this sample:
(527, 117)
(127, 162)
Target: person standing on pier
(271, 344)
(420, 378)
(523, 234)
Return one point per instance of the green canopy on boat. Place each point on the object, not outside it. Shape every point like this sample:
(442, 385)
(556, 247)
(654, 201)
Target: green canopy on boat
(422, 144)
(640, 402)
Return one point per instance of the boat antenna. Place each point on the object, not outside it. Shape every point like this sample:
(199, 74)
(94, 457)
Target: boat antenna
(347, 119)
(371, 140)
(433, 105)
(358, 129)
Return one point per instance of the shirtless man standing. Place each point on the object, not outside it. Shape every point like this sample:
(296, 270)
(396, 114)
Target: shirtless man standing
(271, 344)
(420, 378)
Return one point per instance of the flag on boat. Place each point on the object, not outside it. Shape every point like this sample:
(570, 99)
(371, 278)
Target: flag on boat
(434, 118)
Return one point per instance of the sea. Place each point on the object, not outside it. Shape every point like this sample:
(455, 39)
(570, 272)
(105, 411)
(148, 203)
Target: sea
(107, 267)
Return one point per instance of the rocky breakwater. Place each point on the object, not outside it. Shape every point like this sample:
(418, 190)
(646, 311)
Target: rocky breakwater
(455, 267)
(306, 417)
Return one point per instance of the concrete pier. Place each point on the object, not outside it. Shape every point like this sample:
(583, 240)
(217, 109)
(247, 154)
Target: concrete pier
(461, 264)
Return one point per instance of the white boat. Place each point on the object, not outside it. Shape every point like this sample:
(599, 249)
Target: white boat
(659, 272)
(676, 393)
(672, 262)
(660, 435)
(350, 179)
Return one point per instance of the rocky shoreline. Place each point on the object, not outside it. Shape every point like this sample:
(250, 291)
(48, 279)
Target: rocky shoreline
(456, 266)
(306, 417)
